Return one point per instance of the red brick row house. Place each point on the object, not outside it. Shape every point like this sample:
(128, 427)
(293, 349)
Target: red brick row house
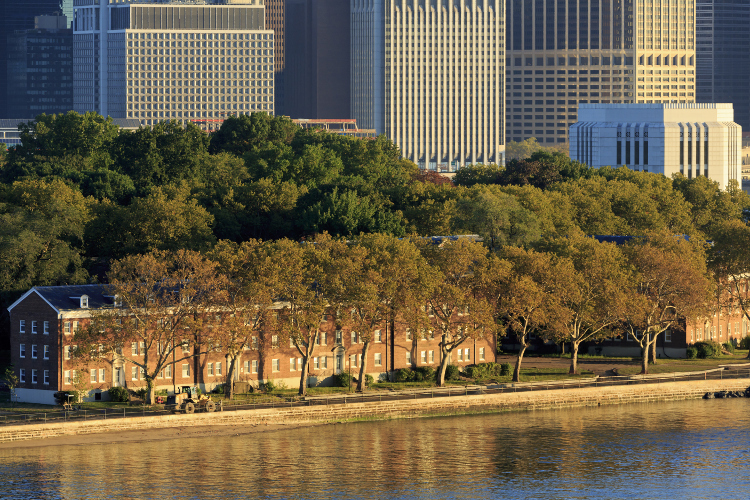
(45, 319)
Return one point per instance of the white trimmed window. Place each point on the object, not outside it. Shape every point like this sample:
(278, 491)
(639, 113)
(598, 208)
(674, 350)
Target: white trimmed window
(134, 348)
(46, 328)
(93, 375)
(75, 326)
(408, 358)
(134, 373)
(378, 336)
(22, 375)
(67, 377)
(423, 356)
(255, 366)
(210, 369)
(322, 338)
(276, 365)
(324, 362)
(34, 377)
(668, 336)
(408, 334)
(34, 327)
(292, 364)
(316, 363)
(102, 372)
(274, 341)
(353, 360)
(66, 327)
(218, 369)
(467, 355)
(432, 357)
(378, 359)
(34, 351)
(66, 350)
(460, 353)
(255, 343)
(168, 372)
(22, 350)
(46, 352)
(354, 337)
(22, 326)
(46, 377)
(339, 336)
(142, 348)
(481, 354)
(185, 370)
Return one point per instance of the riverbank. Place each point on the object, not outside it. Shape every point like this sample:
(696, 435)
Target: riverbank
(274, 419)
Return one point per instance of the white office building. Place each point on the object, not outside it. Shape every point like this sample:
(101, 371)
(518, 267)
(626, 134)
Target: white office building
(187, 60)
(430, 75)
(686, 138)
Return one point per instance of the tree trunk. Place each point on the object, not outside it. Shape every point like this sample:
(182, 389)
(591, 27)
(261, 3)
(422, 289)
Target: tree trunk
(151, 390)
(652, 351)
(303, 378)
(573, 357)
(519, 358)
(229, 385)
(644, 357)
(562, 347)
(361, 384)
(440, 382)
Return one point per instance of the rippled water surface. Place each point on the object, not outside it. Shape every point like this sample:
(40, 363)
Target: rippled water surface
(692, 449)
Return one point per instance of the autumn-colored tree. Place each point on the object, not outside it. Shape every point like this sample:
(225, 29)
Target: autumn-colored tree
(594, 291)
(671, 282)
(152, 322)
(524, 291)
(449, 302)
(245, 303)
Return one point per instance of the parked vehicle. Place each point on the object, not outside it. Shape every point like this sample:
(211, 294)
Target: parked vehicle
(188, 400)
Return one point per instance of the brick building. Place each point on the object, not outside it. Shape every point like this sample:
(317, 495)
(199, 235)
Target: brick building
(45, 319)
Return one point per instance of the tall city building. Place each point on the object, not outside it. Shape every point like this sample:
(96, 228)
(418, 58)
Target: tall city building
(40, 68)
(317, 72)
(692, 139)
(722, 47)
(430, 75)
(561, 54)
(186, 60)
(17, 15)
(275, 16)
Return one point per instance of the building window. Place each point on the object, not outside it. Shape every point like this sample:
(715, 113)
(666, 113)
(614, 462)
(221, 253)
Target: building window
(22, 350)
(322, 338)
(467, 355)
(353, 361)
(45, 352)
(185, 370)
(67, 377)
(22, 326)
(292, 364)
(338, 336)
(134, 348)
(408, 334)
(423, 356)
(168, 371)
(316, 364)
(46, 377)
(33, 351)
(668, 336)
(46, 328)
(210, 369)
(432, 357)
(22, 375)
(75, 326)
(276, 365)
(66, 327)
(93, 375)
(323, 362)
(274, 341)
(481, 354)
(101, 374)
(33, 327)
(34, 379)
(408, 358)
(460, 355)
(378, 336)
(134, 373)
(354, 337)
(255, 366)
(218, 369)
(378, 359)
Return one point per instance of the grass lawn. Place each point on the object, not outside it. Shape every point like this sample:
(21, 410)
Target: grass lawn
(687, 365)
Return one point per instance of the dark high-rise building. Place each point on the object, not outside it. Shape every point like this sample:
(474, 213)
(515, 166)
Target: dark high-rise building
(275, 21)
(722, 47)
(40, 69)
(317, 69)
(17, 15)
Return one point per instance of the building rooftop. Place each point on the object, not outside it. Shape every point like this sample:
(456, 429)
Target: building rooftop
(68, 297)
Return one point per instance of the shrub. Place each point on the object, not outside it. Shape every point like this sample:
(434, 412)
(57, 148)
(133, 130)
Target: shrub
(219, 389)
(269, 386)
(428, 373)
(418, 376)
(708, 349)
(141, 392)
(729, 347)
(472, 371)
(369, 380)
(451, 372)
(745, 342)
(483, 370)
(692, 353)
(506, 369)
(403, 375)
(343, 379)
(118, 394)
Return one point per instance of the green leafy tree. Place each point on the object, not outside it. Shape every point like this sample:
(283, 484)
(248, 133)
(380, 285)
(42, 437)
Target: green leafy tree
(471, 175)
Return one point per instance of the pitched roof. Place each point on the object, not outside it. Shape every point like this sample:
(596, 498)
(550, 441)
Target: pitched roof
(67, 297)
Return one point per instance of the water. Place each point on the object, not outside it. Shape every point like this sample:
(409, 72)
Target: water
(691, 449)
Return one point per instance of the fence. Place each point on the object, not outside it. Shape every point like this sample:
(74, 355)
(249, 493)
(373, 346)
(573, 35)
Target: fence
(291, 402)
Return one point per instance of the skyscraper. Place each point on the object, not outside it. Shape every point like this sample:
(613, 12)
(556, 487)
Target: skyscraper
(196, 61)
(430, 75)
(561, 54)
(722, 46)
(17, 15)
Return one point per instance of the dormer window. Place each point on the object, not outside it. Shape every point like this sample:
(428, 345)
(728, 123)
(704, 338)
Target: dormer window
(117, 301)
(84, 301)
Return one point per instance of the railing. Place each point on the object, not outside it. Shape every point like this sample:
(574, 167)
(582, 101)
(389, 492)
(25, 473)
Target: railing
(294, 402)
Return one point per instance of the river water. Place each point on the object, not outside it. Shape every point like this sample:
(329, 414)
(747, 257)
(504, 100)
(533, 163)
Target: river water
(690, 449)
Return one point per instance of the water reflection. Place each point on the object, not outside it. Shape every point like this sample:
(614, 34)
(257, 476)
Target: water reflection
(694, 449)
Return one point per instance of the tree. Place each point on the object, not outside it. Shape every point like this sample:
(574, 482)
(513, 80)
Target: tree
(471, 175)
(153, 321)
(523, 287)
(671, 282)
(12, 381)
(246, 301)
(449, 303)
(710, 206)
(81, 383)
(385, 270)
(497, 217)
(594, 291)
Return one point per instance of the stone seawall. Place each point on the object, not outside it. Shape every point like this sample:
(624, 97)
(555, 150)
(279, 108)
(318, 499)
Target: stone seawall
(566, 398)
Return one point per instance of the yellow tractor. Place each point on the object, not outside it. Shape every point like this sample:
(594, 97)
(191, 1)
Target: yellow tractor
(188, 400)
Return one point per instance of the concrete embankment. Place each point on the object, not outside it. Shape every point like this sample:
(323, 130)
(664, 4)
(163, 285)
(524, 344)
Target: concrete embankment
(318, 415)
